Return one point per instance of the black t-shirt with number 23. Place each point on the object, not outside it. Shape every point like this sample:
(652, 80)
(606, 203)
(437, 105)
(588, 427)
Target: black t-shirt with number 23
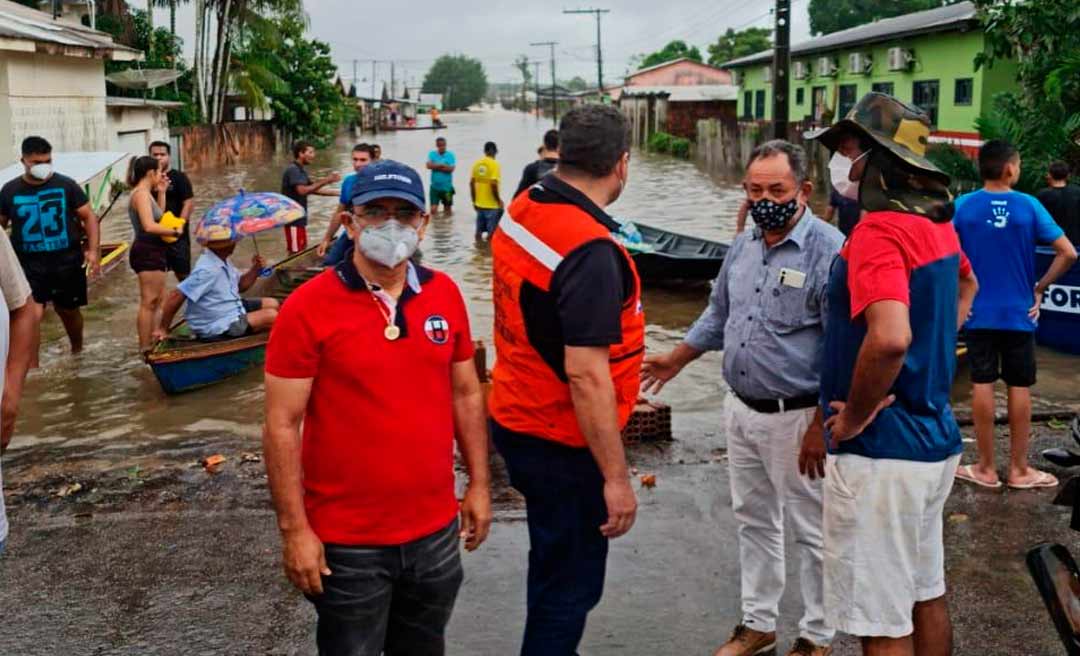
(43, 217)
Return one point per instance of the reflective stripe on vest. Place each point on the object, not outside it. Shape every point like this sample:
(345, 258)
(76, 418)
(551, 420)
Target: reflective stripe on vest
(530, 243)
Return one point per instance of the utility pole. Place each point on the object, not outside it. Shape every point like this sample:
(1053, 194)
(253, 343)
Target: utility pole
(392, 87)
(373, 63)
(536, 85)
(780, 67)
(554, 103)
(599, 51)
(355, 77)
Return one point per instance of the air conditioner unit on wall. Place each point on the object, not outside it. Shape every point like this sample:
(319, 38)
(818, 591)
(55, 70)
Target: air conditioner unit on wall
(768, 74)
(826, 66)
(900, 59)
(802, 71)
(860, 63)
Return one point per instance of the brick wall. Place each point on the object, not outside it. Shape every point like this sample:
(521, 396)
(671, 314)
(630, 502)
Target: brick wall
(682, 117)
(226, 143)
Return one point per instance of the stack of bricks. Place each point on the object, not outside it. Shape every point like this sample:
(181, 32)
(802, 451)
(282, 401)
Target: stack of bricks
(651, 420)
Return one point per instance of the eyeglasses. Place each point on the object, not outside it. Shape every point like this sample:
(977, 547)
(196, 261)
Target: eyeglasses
(377, 213)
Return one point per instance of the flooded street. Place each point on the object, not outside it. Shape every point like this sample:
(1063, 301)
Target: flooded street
(155, 556)
(107, 401)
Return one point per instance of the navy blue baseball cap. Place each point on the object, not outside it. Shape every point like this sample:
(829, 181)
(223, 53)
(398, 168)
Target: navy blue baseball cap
(388, 179)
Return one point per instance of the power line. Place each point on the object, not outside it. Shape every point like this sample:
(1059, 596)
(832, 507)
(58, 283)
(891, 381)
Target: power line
(554, 104)
(599, 48)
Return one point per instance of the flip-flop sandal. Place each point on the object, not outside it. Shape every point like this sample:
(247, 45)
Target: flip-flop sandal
(964, 473)
(1044, 479)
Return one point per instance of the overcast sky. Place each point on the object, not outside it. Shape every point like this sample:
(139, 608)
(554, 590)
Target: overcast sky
(416, 32)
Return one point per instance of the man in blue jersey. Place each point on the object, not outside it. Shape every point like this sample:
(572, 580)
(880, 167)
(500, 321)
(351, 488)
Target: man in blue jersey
(333, 250)
(999, 229)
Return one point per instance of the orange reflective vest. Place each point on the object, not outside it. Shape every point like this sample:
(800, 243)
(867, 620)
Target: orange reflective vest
(529, 395)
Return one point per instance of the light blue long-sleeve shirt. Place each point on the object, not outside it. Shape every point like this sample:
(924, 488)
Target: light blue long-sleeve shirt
(771, 331)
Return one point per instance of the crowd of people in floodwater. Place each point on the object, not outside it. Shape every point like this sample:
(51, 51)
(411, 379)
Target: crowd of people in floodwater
(837, 421)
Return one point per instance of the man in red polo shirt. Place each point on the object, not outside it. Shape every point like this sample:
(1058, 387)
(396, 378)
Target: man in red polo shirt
(374, 359)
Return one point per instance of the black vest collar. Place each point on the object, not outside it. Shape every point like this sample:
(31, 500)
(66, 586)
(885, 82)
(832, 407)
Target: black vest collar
(553, 189)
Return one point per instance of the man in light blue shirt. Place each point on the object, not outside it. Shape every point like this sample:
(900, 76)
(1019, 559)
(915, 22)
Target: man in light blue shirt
(766, 313)
(441, 162)
(215, 308)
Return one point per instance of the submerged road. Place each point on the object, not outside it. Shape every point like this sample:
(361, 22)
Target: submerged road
(152, 555)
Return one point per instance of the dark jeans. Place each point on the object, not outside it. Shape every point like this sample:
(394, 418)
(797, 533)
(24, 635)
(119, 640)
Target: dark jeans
(487, 220)
(564, 500)
(389, 600)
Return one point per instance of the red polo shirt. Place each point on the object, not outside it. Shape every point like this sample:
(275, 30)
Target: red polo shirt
(378, 452)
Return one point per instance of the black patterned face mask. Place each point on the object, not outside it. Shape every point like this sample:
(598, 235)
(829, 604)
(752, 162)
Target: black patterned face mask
(771, 216)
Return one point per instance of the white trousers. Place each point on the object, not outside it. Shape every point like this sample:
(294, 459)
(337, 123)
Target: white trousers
(766, 487)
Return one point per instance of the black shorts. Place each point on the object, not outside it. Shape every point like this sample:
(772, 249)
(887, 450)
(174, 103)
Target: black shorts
(178, 256)
(62, 283)
(1005, 354)
(149, 255)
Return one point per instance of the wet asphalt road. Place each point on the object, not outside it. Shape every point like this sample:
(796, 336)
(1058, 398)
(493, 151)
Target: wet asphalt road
(167, 559)
(155, 556)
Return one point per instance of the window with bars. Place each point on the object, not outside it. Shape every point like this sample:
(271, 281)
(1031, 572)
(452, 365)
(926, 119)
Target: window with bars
(925, 94)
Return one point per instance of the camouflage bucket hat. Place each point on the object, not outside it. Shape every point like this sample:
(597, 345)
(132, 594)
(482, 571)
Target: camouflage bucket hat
(899, 128)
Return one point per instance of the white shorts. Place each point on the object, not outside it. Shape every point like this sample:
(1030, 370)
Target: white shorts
(883, 541)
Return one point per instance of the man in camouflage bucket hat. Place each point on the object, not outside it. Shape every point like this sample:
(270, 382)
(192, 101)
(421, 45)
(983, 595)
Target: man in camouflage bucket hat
(885, 382)
(894, 173)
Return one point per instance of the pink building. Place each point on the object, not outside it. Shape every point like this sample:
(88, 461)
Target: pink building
(678, 73)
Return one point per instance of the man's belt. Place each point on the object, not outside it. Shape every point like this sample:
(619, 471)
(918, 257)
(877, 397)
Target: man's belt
(772, 406)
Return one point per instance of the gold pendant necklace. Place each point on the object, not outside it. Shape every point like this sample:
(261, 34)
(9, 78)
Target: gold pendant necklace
(391, 332)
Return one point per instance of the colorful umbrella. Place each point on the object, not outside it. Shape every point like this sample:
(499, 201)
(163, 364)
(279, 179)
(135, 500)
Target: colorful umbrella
(246, 214)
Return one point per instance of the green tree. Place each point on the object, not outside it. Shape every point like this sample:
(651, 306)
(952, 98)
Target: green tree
(1042, 117)
(460, 79)
(522, 64)
(732, 44)
(577, 83)
(676, 49)
(300, 76)
(827, 16)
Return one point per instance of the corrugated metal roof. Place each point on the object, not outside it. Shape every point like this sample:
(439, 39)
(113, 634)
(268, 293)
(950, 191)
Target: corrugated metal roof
(25, 24)
(686, 93)
(669, 63)
(121, 101)
(920, 22)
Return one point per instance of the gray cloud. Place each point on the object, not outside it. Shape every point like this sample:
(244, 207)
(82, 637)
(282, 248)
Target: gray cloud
(415, 33)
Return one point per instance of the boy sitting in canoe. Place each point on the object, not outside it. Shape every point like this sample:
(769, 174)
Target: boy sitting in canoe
(215, 309)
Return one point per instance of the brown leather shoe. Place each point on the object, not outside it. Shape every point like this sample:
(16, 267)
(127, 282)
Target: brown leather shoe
(804, 647)
(748, 642)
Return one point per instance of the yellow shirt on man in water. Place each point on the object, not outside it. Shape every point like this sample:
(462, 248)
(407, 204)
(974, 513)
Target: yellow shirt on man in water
(484, 172)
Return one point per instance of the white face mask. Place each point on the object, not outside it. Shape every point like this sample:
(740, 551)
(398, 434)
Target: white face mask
(389, 244)
(41, 171)
(840, 175)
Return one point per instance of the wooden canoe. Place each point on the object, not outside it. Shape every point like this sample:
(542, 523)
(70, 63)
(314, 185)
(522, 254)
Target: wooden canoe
(664, 256)
(182, 363)
(112, 257)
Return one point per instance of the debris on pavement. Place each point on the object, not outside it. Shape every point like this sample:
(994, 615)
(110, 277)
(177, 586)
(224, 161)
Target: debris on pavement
(648, 480)
(250, 457)
(212, 463)
(69, 489)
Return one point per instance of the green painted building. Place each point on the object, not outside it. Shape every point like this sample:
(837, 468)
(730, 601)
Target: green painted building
(926, 58)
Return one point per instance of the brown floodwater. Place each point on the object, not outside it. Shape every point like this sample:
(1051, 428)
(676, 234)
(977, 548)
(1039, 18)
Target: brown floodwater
(106, 403)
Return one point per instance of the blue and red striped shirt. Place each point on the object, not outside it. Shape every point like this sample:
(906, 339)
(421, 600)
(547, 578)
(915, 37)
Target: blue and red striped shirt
(910, 259)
